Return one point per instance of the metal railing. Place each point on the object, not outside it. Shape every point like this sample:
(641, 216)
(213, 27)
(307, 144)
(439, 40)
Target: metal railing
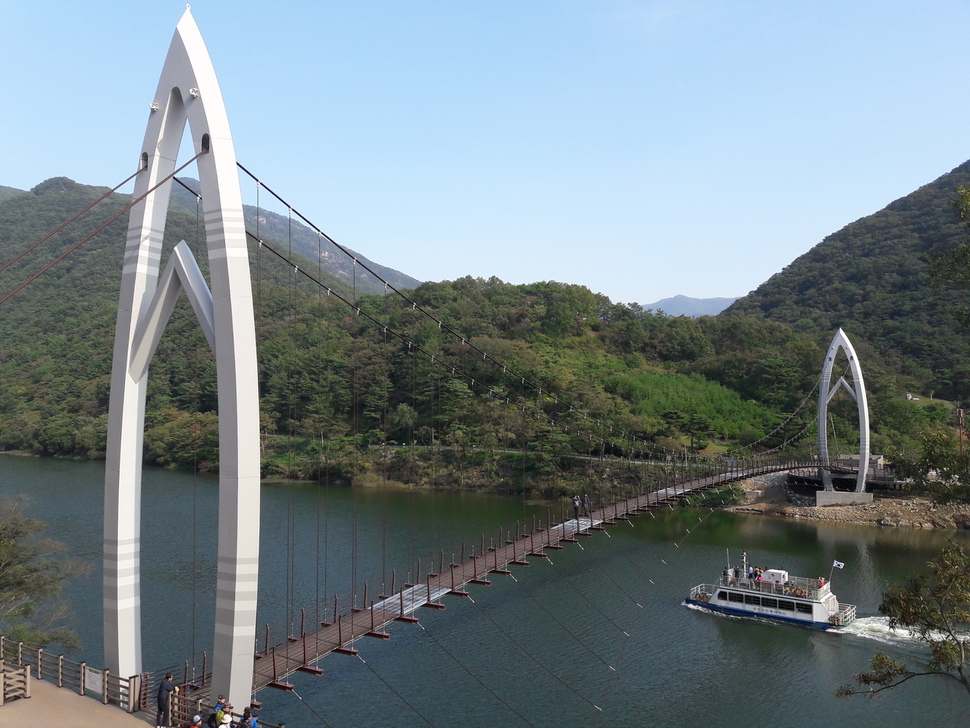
(796, 586)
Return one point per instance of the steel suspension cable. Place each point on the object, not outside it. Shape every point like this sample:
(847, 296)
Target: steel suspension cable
(565, 628)
(473, 675)
(310, 708)
(788, 419)
(637, 618)
(101, 227)
(391, 688)
(355, 354)
(434, 358)
(64, 224)
(443, 326)
(457, 371)
(417, 307)
(532, 657)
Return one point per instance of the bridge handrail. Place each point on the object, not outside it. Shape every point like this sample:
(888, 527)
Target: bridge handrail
(77, 676)
(14, 683)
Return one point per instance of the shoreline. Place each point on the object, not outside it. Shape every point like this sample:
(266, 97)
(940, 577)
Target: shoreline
(769, 496)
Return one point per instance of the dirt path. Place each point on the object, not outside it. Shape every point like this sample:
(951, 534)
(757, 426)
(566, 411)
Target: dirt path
(768, 495)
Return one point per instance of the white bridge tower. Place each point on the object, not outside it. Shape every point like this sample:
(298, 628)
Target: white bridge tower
(188, 92)
(857, 390)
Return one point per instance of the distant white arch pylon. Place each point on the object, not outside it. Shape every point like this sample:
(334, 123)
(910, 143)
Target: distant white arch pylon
(188, 92)
(858, 392)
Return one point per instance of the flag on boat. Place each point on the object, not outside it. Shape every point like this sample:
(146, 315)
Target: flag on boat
(838, 565)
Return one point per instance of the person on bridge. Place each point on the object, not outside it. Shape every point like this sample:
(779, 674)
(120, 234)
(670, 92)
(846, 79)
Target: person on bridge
(164, 697)
(216, 710)
(224, 714)
(586, 504)
(577, 504)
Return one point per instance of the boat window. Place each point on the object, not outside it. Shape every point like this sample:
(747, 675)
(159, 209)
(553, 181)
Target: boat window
(790, 606)
(735, 597)
(804, 608)
(769, 602)
(722, 595)
(752, 599)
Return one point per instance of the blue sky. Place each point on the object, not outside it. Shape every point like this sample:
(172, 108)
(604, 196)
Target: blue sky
(642, 149)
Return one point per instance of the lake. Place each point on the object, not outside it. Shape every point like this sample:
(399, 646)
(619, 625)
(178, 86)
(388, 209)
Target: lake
(596, 635)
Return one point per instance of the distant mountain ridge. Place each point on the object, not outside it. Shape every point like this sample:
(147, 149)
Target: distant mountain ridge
(7, 192)
(305, 242)
(692, 307)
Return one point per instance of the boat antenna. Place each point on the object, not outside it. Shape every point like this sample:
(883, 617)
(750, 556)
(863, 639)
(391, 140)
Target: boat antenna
(728, 557)
(744, 564)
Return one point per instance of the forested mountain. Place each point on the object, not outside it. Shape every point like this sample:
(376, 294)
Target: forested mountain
(872, 279)
(8, 192)
(338, 375)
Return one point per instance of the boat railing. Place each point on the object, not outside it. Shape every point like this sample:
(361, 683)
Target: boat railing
(796, 586)
(843, 616)
(703, 592)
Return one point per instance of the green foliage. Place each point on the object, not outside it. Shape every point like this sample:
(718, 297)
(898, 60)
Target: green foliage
(935, 607)
(690, 405)
(874, 279)
(8, 192)
(329, 374)
(939, 466)
(30, 581)
(725, 495)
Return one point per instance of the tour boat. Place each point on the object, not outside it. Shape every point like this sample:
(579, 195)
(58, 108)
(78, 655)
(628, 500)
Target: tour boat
(773, 594)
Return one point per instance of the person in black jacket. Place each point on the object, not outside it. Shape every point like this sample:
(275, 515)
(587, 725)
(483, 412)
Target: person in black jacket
(163, 717)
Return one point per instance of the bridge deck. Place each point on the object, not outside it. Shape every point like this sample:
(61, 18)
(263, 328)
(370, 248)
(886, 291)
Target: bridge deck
(275, 664)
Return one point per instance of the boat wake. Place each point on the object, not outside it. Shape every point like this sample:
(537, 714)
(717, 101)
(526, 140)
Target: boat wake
(877, 628)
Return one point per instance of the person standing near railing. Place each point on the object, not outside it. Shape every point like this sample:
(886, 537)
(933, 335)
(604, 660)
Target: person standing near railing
(163, 718)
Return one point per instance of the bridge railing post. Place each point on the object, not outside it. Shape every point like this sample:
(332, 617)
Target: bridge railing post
(134, 693)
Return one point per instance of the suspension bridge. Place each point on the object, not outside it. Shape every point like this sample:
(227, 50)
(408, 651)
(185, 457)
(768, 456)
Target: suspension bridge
(244, 660)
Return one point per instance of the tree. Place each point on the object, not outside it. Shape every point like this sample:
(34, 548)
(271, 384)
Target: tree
(941, 466)
(951, 269)
(936, 608)
(30, 581)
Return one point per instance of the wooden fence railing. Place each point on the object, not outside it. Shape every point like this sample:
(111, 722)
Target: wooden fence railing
(14, 683)
(77, 676)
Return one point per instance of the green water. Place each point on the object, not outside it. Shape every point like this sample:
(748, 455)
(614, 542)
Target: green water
(597, 635)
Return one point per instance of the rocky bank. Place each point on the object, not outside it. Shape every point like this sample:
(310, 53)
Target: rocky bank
(770, 495)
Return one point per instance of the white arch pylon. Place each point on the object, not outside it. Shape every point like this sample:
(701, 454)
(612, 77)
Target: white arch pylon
(857, 391)
(188, 92)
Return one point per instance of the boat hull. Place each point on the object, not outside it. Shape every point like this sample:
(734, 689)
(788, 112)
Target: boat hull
(741, 612)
